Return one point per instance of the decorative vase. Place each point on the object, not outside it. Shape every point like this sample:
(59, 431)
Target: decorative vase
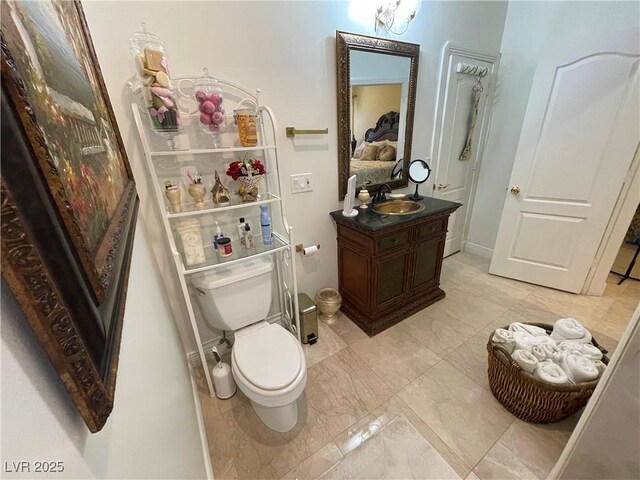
(364, 197)
(173, 194)
(197, 192)
(248, 189)
(328, 301)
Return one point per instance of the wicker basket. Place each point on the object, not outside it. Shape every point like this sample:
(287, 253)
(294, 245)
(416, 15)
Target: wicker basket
(532, 400)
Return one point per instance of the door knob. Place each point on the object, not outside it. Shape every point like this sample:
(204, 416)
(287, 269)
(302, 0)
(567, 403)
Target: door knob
(440, 186)
(515, 190)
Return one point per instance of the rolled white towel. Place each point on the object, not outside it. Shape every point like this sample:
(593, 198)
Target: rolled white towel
(544, 340)
(579, 368)
(567, 347)
(525, 359)
(570, 329)
(600, 365)
(588, 350)
(539, 352)
(504, 338)
(524, 340)
(548, 349)
(530, 329)
(557, 357)
(550, 372)
(591, 352)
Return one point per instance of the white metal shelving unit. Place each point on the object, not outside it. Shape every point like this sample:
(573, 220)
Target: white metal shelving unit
(168, 158)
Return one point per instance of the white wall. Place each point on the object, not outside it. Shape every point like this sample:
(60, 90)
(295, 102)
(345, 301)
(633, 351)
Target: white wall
(287, 49)
(152, 431)
(530, 28)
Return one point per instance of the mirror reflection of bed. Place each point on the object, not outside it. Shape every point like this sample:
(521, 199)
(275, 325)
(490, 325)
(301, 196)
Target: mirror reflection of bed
(375, 155)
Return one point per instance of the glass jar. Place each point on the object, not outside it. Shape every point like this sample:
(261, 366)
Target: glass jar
(210, 97)
(152, 70)
(247, 131)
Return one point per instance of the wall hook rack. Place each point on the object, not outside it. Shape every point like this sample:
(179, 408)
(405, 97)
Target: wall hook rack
(292, 132)
(467, 69)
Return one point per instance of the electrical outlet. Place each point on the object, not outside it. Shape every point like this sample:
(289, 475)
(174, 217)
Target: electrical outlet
(301, 183)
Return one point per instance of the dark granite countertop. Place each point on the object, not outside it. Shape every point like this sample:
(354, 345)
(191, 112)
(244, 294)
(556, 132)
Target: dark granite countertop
(370, 220)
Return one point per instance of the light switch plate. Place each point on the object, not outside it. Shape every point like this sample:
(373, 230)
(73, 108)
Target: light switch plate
(301, 182)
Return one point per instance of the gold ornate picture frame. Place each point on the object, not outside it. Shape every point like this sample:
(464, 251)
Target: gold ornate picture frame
(68, 200)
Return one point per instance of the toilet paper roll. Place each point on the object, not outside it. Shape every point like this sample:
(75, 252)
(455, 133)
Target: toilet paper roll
(310, 251)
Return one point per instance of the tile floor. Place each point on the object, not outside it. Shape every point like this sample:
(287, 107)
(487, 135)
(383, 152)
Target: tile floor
(429, 369)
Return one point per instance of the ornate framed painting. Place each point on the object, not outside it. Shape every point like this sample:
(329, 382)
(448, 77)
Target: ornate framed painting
(68, 199)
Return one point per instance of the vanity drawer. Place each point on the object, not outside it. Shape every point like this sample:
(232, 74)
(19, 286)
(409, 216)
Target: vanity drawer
(432, 228)
(393, 241)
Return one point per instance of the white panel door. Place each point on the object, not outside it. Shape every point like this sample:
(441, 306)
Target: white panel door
(578, 139)
(454, 178)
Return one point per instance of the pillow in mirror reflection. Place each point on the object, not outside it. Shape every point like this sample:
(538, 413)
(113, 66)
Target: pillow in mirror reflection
(387, 154)
(370, 152)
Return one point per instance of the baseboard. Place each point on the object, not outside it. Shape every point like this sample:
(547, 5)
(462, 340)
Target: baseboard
(478, 250)
(201, 428)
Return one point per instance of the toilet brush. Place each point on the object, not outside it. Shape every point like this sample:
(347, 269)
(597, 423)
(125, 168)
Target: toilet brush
(223, 381)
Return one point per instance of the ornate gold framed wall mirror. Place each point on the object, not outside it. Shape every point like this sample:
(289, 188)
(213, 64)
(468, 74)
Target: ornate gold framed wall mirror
(376, 103)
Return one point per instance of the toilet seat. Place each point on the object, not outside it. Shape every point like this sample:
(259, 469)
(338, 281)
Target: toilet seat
(250, 385)
(268, 357)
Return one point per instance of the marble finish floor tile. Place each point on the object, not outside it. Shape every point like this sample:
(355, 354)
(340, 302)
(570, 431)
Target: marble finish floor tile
(316, 464)
(455, 274)
(481, 264)
(396, 451)
(466, 416)
(615, 321)
(342, 389)
(395, 356)
(581, 307)
(526, 450)
(328, 343)
(470, 308)
(395, 407)
(472, 476)
(501, 291)
(437, 330)
(348, 331)
(241, 446)
(470, 359)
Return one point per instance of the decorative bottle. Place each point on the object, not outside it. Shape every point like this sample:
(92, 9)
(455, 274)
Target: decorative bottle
(265, 225)
(247, 238)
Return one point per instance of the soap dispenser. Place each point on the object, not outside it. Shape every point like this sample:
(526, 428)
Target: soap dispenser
(223, 381)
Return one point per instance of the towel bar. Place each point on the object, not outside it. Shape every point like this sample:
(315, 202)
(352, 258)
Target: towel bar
(292, 132)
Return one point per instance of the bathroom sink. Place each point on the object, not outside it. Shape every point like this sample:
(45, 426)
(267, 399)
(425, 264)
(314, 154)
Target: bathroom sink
(398, 207)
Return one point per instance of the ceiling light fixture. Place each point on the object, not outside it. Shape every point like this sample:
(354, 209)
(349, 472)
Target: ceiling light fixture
(394, 16)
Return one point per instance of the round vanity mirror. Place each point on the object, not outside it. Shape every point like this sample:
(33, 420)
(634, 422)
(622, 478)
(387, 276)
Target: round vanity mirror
(419, 172)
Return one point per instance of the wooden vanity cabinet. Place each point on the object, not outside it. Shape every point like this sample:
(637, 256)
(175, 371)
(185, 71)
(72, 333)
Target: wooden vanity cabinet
(386, 275)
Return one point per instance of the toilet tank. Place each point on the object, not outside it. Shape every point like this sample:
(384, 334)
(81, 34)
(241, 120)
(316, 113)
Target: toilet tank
(235, 296)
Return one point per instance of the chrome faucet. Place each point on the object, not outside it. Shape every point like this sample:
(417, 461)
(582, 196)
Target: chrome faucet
(381, 195)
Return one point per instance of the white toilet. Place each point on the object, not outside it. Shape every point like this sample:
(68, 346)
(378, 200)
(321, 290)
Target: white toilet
(267, 361)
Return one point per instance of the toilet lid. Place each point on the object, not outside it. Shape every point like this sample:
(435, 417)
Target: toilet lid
(269, 357)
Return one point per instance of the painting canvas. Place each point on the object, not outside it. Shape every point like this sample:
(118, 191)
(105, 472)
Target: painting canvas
(68, 190)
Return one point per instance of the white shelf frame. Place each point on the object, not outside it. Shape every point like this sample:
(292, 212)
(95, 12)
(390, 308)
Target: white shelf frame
(210, 151)
(286, 238)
